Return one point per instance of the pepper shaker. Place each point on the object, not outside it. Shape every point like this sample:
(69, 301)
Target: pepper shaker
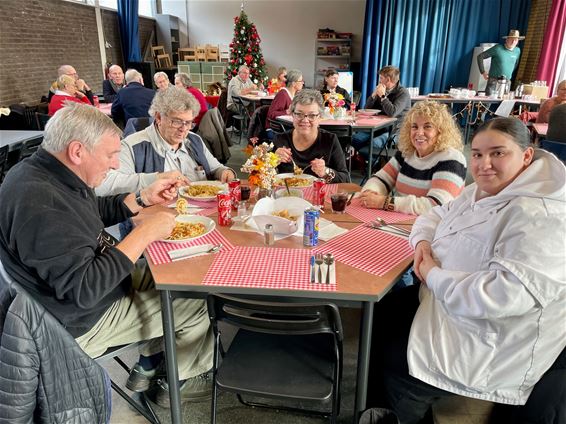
(269, 235)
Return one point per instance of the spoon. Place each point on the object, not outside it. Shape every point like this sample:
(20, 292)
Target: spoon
(287, 186)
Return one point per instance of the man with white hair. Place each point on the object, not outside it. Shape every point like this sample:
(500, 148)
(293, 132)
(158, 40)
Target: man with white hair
(113, 84)
(240, 85)
(161, 80)
(132, 101)
(54, 244)
(81, 85)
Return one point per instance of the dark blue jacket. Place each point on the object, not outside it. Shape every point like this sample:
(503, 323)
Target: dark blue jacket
(108, 92)
(132, 101)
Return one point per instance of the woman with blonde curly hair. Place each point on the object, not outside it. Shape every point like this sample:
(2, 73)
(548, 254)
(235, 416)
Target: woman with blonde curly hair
(428, 170)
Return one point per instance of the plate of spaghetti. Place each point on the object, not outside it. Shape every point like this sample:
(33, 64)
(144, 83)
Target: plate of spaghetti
(204, 191)
(297, 181)
(190, 227)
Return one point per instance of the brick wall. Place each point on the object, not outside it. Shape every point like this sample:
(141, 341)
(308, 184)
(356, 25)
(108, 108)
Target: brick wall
(540, 10)
(37, 36)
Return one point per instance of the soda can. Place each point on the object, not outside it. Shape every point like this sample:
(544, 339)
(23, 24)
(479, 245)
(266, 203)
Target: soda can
(224, 208)
(310, 234)
(235, 192)
(96, 101)
(319, 189)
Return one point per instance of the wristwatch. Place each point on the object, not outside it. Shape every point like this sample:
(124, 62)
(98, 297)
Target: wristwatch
(139, 199)
(329, 174)
(391, 203)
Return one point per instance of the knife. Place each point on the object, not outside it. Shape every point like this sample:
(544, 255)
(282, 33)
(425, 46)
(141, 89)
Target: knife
(188, 252)
(312, 269)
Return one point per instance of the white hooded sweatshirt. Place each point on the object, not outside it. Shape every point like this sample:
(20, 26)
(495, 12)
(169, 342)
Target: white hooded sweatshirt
(492, 317)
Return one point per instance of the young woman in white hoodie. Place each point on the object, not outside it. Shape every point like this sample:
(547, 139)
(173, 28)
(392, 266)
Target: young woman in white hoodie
(491, 310)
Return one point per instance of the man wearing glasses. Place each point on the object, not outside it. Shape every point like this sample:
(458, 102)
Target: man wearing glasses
(240, 85)
(165, 149)
(82, 86)
(132, 101)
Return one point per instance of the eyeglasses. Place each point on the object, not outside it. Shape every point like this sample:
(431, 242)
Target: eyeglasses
(178, 123)
(310, 116)
(301, 81)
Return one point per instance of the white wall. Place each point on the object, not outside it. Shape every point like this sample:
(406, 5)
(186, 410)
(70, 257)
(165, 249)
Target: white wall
(287, 28)
(177, 8)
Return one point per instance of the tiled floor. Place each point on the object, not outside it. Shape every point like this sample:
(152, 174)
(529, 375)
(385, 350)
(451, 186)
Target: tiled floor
(457, 410)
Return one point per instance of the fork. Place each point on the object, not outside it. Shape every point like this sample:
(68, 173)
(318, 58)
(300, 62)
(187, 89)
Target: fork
(319, 260)
(381, 222)
(297, 170)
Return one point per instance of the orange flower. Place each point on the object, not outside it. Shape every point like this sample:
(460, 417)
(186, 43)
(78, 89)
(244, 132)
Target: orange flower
(253, 179)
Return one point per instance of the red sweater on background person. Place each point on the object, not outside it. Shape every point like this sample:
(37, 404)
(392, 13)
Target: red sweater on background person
(279, 105)
(58, 100)
(201, 101)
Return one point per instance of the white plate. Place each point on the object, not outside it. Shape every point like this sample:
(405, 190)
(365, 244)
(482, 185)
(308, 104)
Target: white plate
(183, 192)
(280, 183)
(369, 111)
(208, 223)
(262, 214)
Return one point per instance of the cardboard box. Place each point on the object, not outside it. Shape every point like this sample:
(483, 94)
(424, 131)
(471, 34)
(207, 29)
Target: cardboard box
(540, 92)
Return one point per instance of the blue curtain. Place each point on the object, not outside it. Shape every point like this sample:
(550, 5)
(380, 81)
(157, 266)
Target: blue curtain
(128, 22)
(432, 41)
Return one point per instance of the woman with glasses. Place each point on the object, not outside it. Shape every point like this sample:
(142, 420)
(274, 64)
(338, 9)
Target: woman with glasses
(165, 149)
(428, 170)
(330, 86)
(183, 80)
(283, 99)
(316, 151)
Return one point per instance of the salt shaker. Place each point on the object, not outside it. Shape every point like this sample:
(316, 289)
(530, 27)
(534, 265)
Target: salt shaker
(269, 235)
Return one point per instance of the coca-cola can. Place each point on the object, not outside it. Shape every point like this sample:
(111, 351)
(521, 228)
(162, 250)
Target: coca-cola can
(224, 208)
(96, 101)
(319, 189)
(235, 192)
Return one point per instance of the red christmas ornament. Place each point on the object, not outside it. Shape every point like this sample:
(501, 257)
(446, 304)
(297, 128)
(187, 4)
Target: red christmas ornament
(248, 58)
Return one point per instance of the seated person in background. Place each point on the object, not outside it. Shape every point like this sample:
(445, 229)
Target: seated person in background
(113, 84)
(81, 84)
(132, 101)
(316, 151)
(549, 104)
(428, 170)
(239, 85)
(331, 86)
(53, 243)
(557, 124)
(280, 104)
(282, 76)
(161, 80)
(392, 100)
(165, 149)
(184, 81)
(488, 319)
(66, 92)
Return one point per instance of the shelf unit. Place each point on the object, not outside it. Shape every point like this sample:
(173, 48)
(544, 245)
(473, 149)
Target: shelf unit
(168, 35)
(331, 53)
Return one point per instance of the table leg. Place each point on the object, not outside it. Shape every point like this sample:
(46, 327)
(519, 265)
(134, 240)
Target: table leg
(363, 360)
(171, 356)
(370, 160)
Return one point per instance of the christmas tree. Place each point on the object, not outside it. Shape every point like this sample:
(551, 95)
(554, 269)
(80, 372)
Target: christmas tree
(245, 50)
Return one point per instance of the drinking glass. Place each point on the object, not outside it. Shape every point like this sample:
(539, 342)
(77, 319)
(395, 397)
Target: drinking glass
(338, 201)
(245, 193)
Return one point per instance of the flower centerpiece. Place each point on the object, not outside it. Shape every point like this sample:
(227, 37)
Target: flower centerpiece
(261, 165)
(334, 102)
(273, 86)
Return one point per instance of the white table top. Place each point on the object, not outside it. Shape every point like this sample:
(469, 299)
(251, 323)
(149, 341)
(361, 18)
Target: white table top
(14, 138)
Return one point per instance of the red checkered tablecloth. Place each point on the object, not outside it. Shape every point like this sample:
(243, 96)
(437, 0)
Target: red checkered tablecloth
(158, 249)
(370, 250)
(366, 215)
(308, 192)
(264, 267)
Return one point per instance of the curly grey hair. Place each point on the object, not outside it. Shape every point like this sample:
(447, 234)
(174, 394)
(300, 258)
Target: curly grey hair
(307, 97)
(174, 99)
(185, 79)
(77, 121)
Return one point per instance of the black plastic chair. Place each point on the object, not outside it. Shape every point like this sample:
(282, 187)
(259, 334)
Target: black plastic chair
(381, 154)
(286, 351)
(29, 147)
(142, 406)
(555, 147)
(136, 124)
(40, 120)
(243, 116)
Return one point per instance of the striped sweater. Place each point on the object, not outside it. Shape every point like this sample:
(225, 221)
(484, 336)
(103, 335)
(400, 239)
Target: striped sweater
(421, 183)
